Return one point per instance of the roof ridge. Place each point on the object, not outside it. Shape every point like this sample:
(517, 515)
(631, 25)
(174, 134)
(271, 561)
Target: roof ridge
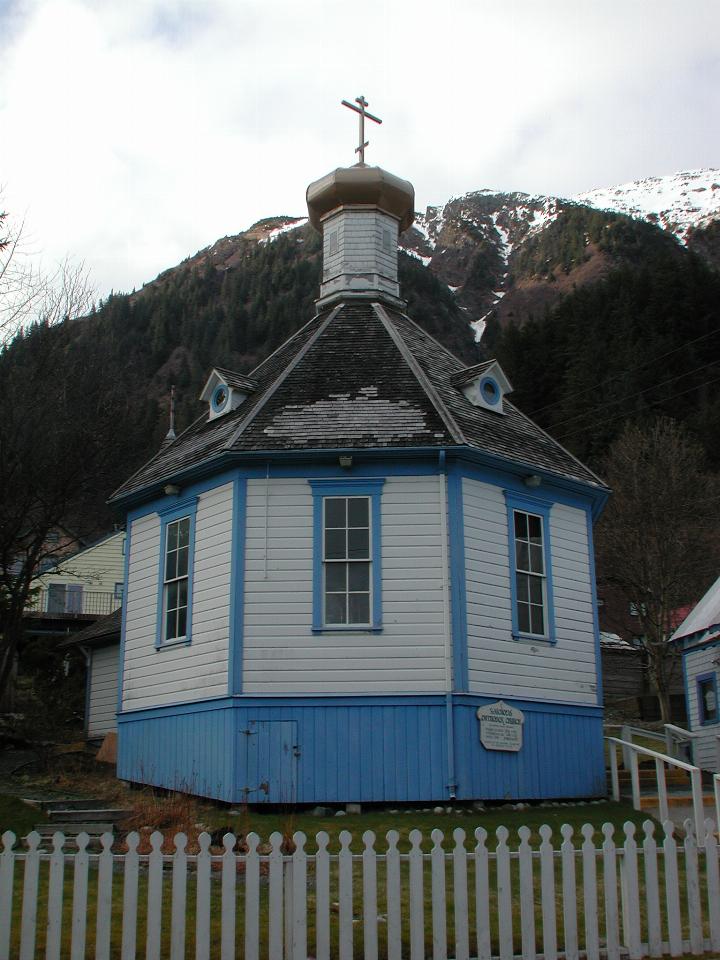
(420, 374)
(284, 374)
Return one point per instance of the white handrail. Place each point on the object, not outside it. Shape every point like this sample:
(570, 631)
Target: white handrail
(661, 761)
(716, 784)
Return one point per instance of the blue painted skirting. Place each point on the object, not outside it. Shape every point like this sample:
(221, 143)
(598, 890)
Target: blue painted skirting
(357, 749)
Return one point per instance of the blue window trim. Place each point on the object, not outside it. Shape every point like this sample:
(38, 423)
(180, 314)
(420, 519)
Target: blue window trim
(540, 508)
(701, 678)
(497, 397)
(176, 510)
(237, 585)
(347, 487)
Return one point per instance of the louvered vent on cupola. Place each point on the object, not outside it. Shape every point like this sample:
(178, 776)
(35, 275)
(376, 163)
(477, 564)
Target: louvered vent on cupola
(484, 385)
(225, 390)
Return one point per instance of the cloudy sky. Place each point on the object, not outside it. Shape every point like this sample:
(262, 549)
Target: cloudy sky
(135, 132)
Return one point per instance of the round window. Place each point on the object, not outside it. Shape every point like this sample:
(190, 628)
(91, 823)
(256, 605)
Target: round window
(489, 390)
(219, 397)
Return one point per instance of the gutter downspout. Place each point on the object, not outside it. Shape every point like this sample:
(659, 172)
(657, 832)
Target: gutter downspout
(447, 633)
(88, 663)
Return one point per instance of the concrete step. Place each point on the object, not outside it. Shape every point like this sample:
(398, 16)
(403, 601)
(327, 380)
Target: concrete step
(87, 815)
(73, 828)
(679, 799)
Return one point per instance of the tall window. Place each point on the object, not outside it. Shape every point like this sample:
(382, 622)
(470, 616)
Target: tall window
(530, 573)
(707, 698)
(347, 554)
(530, 567)
(177, 556)
(346, 560)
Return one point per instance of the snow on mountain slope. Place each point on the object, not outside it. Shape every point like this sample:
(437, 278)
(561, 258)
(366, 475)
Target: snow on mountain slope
(678, 203)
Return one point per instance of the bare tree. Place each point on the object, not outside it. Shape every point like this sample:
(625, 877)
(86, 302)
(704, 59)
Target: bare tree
(658, 539)
(29, 294)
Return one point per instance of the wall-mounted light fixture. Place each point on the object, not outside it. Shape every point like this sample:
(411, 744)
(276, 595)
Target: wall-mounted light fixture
(533, 480)
(345, 462)
(171, 489)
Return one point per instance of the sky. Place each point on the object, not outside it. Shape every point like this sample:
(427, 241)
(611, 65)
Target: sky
(134, 133)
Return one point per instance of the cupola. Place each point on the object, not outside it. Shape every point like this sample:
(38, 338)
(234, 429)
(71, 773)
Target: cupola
(360, 211)
(225, 390)
(484, 385)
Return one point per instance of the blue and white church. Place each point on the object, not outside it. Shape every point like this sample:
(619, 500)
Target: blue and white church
(362, 575)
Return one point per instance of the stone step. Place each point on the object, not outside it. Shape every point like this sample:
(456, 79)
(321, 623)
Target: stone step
(87, 815)
(92, 803)
(72, 829)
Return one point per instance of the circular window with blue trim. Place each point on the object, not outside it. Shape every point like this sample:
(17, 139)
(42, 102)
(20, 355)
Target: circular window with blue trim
(219, 398)
(490, 391)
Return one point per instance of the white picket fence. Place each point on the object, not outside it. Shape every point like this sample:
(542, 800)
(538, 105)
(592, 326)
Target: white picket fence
(587, 894)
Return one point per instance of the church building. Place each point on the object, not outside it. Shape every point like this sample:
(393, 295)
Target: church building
(362, 574)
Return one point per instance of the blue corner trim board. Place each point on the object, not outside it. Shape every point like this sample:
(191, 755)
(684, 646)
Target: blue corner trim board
(347, 487)
(237, 585)
(539, 508)
(123, 615)
(177, 510)
(596, 621)
(458, 597)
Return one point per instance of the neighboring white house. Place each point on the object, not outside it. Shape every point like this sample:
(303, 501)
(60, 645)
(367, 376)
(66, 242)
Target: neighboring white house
(362, 574)
(100, 644)
(88, 583)
(699, 639)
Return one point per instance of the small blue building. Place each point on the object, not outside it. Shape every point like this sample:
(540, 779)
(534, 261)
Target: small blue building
(362, 574)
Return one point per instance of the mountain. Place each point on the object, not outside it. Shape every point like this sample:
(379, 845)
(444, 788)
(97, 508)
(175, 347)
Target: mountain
(598, 316)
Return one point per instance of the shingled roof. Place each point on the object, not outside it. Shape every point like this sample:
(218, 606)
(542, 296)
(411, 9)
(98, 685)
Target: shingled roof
(359, 376)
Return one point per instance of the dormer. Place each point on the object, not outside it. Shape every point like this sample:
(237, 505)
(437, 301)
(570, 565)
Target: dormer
(484, 385)
(225, 390)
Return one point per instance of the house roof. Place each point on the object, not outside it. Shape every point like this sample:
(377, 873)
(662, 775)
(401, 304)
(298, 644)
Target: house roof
(702, 617)
(360, 376)
(104, 631)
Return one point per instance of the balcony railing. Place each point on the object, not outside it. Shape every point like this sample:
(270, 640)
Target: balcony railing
(65, 601)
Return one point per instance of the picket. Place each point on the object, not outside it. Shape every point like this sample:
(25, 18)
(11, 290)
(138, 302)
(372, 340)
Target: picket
(370, 910)
(392, 896)
(322, 897)
(104, 898)
(652, 890)
(80, 891)
(227, 898)
(612, 920)
(130, 898)
(55, 898)
(439, 902)
(7, 872)
(590, 900)
(504, 894)
(672, 891)
(482, 901)
(299, 894)
(527, 895)
(202, 905)
(460, 896)
(275, 894)
(547, 894)
(178, 907)
(569, 889)
(28, 924)
(712, 874)
(692, 886)
(278, 883)
(417, 899)
(252, 898)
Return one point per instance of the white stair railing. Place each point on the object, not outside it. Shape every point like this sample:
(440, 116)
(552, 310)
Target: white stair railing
(676, 736)
(662, 761)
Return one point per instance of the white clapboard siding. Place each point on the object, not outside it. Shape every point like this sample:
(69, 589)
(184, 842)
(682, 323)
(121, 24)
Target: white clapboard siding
(705, 747)
(497, 664)
(102, 694)
(280, 652)
(200, 669)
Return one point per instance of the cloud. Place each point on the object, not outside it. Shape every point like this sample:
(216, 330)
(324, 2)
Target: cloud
(137, 133)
